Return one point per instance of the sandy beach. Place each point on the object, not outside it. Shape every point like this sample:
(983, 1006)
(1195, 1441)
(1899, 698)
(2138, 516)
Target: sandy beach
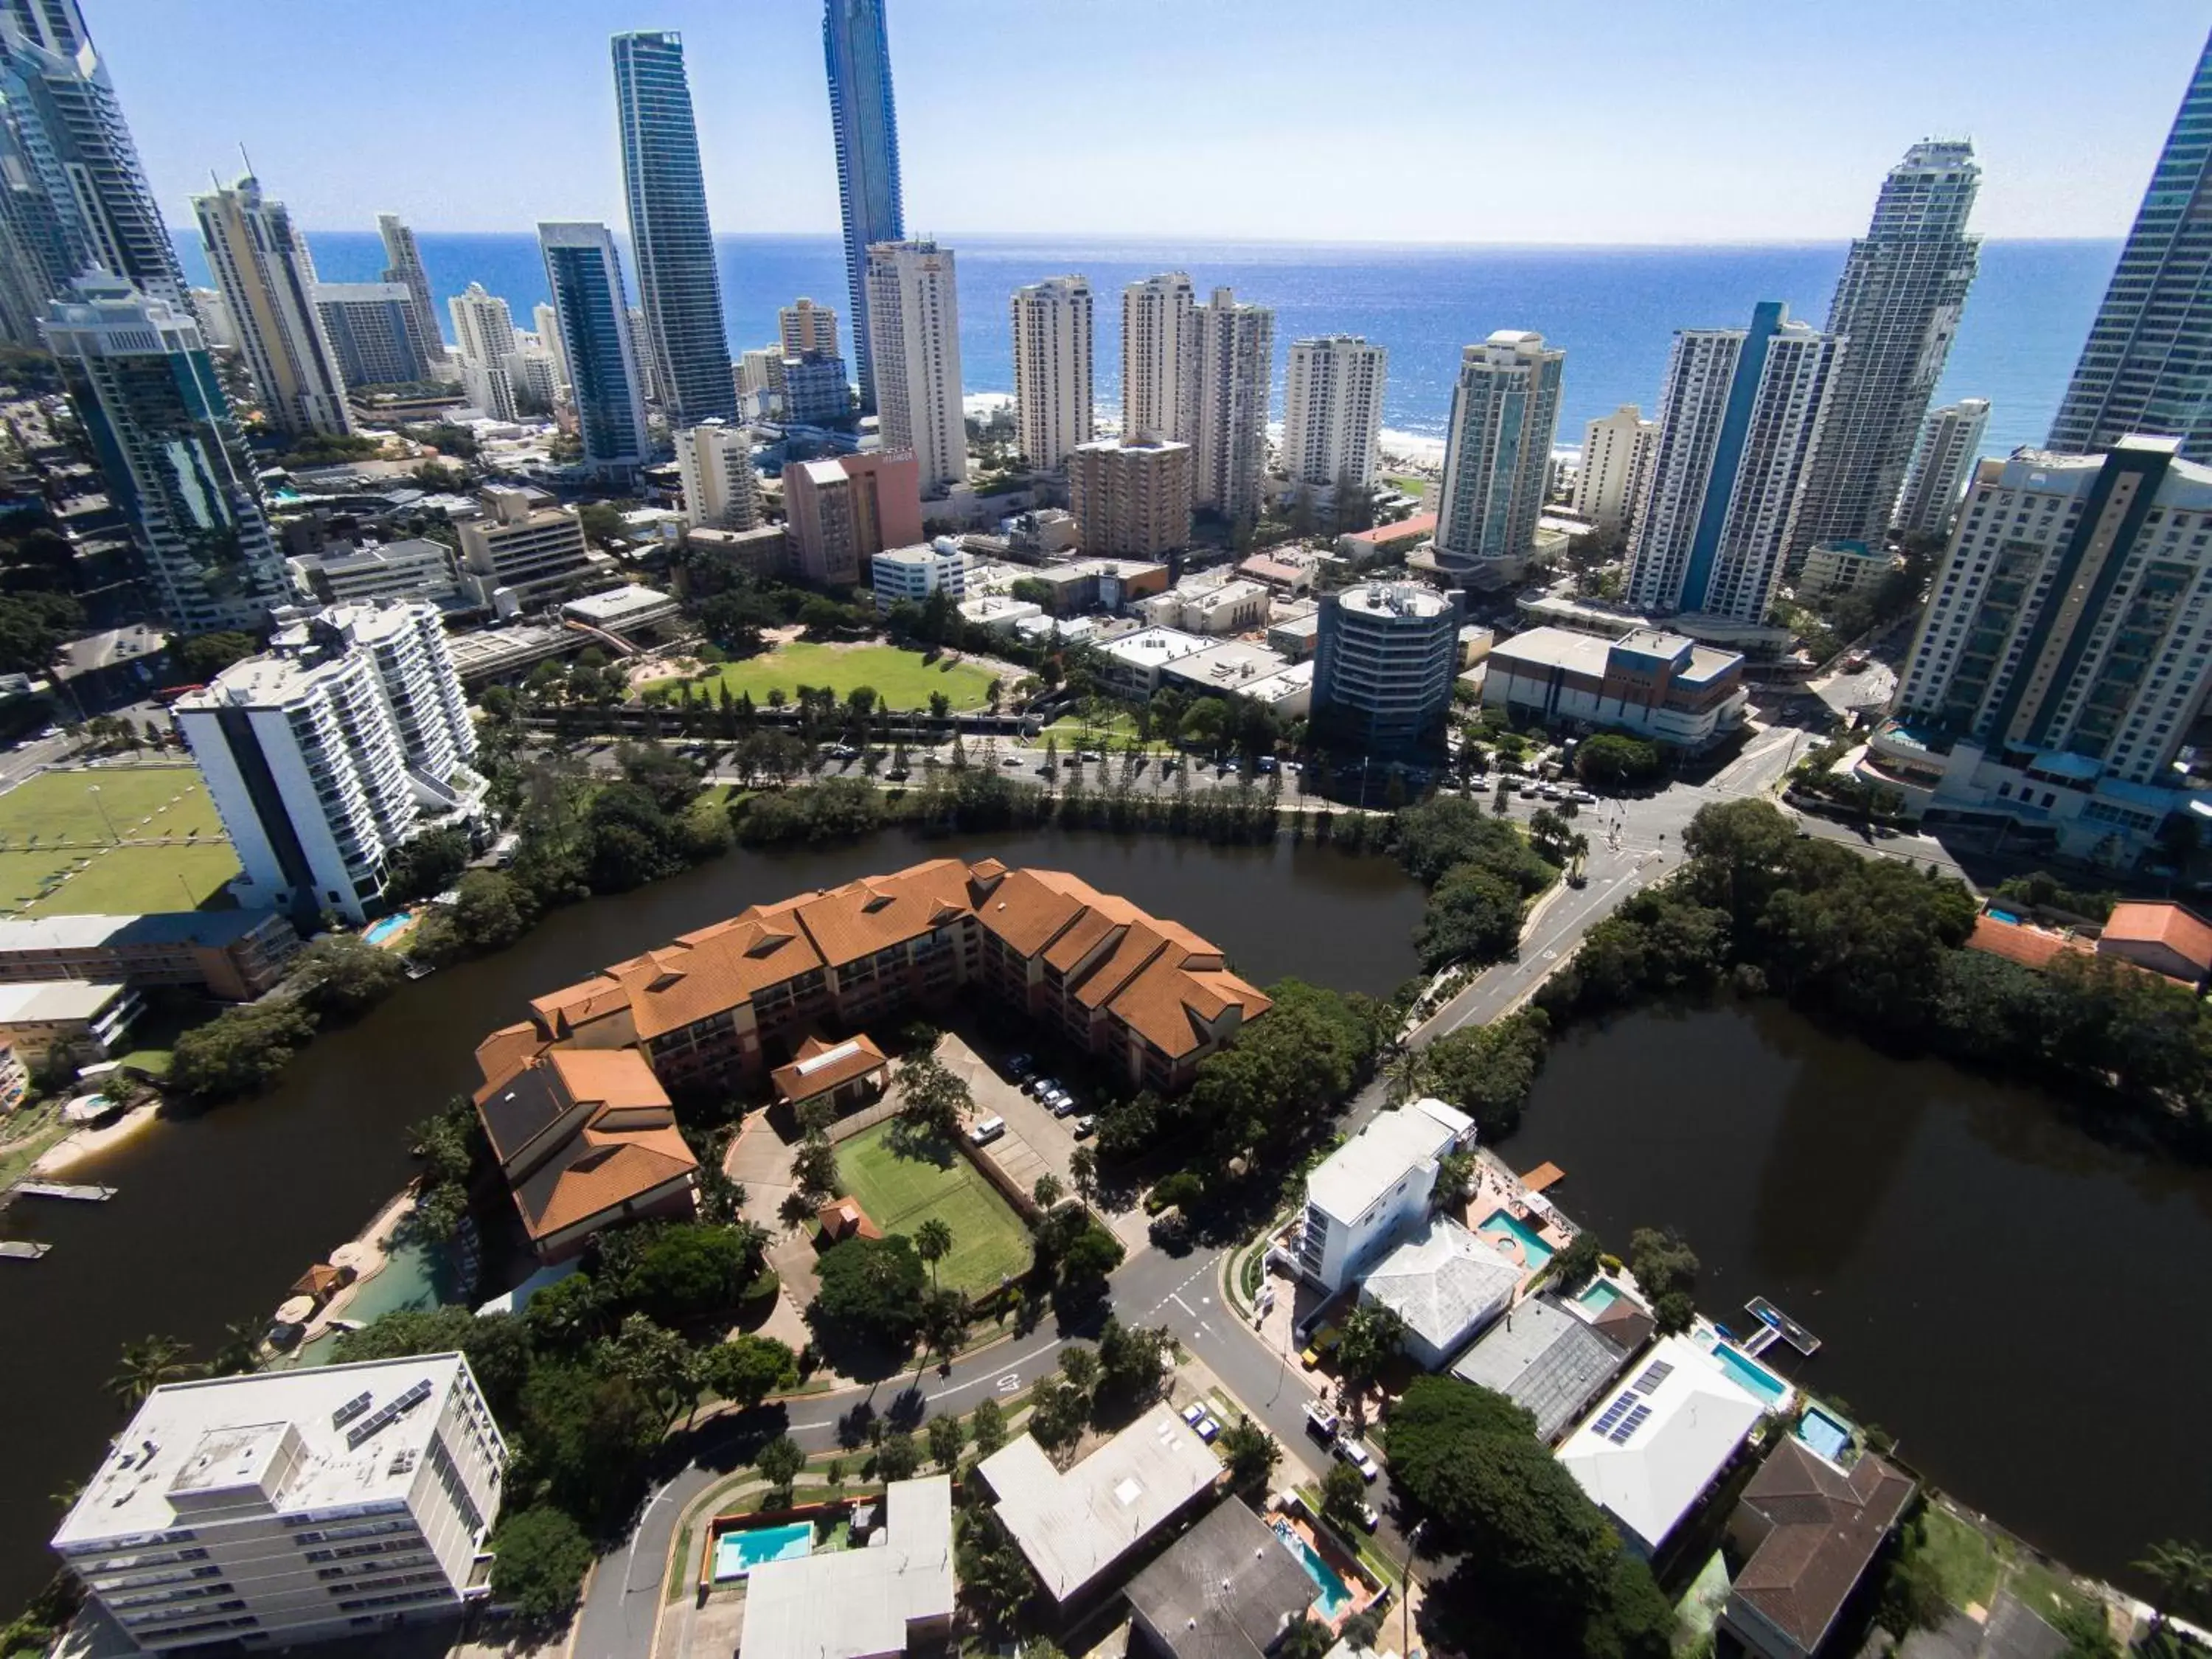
(72, 1150)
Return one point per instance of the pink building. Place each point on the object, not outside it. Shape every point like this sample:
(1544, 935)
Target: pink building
(843, 513)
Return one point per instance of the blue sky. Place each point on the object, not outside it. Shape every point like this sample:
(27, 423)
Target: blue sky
(1421, 120)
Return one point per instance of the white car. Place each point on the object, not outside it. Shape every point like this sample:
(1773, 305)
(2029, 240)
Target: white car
(1351, 1451)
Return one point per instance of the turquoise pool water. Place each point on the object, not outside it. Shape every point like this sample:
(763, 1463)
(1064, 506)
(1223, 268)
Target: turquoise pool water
(1823, 1433)
(380, 930)
(1764, 1385)
(1335, 1594)
(1503, 1224)
(736, 1553)
(1601, 1295)
(2004, 915)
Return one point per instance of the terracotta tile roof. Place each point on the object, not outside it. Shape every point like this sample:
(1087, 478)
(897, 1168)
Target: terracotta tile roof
(863, 917)
(1029, 912)
(845, 1218)
(711, 971)
(607, 1077)
(561, 1012)
(1827, 1526)
(1159, 1005)
(1138, 947)
(597, 1174)
(2176, 927)
(2030, 947)
(1421, 524)
(500, 1055)
(838, 1064)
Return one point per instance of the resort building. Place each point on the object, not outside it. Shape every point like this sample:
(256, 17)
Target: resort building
(260, 259)
(1159, 360)
(911, 575)
(1052, 369)
(841, 513)
(1650, 684)
(1497, 458)
(1648, 1457)
(347, 739)
(1374, 1190)
(586, 1138)
(415, 569)
(1808, 1529)
(1445, 1284)
(894, 1596)
(1132, 496)
(1074, 1527)
(292, 1506)
(721, 491)
(1549, 1362)
(1942, 466)
(843, 1076)
(1225, 1590)
(599, 337)
(1384, 663)
(86, 1019)
(913, 343)
(370, 327)
(1232, 366)
(234, 955)
(1836, 570)
(864, 117)
(735, 999)
(523, 546)
(1616, 455)
(1332, 413)
(2062, 664)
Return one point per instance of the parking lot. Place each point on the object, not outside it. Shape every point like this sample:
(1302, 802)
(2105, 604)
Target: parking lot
(1036, 1142)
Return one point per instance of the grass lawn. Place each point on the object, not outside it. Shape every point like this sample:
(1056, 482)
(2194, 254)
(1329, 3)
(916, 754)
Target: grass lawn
(1965, 1559)
(54, 823)
(901, 679)
(900, 1191)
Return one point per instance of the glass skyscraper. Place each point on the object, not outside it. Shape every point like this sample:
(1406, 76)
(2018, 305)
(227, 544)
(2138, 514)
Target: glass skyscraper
(669, 232)
(584, 275)
(2147, 365)
(72, 193)
(142, 385)
(857, 52)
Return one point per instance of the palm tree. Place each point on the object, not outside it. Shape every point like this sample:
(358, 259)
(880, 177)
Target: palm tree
(1407, 1075)
(932, 1243)
(146, 1365)
(2182, 1573)
(240, 1350)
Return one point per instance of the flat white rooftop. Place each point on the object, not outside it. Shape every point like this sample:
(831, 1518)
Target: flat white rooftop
(1074, 1527)
(848, 1604)
(285, 1433)
(618, 604)
(42, 1000)
(1357, 1176)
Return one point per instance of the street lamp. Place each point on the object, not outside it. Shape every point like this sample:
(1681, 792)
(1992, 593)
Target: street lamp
(93, 789)
(1406, 1600)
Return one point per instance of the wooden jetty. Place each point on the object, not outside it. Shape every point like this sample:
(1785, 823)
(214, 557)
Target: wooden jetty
(1776, 1326)
(22, 1249)
(82, 1194)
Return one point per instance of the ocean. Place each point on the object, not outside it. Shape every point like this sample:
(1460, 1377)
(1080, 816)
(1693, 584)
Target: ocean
(1613, 309)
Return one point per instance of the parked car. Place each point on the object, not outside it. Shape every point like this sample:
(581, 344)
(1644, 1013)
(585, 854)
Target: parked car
(987, 1131)
(1321, 1424)
(1324, 1341)
(1085, 1126)
(1061, 1103)
(1369, 1517)
(1208, 1429)
(1019, 1067)
(1193, 1412)
(1351, 1451)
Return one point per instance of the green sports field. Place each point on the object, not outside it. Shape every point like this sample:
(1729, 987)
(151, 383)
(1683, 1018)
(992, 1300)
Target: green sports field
(900, 1192)
(110, 840)
(900, 679)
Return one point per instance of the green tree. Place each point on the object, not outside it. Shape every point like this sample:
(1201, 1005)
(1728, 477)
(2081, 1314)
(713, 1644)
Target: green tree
(429, 864)
(539, 1558)
(1252, 1454)
(1611, 761)
(780, 1463)
(498, 1345)
(2183, 1575)
(242, 1049)
(1047, 1190)
(747, 1368)
(1083, 1169)
(340, 975)
(1487, 1071)
(603, 524)
(1343, 1493)
(146, 1365)
(203, 656)
(1130, 1360)
(898, 1457)
(1058, 1412)
(988, 1426)
(932, 1243)
(814, 1166)
(932, 1098)
(1370, 1337)
(1662, 1262)
(1573, 1266)
(1308, 1638)
(948, 1435)
(692, 1272)
(872, 1287)
(1473, 916)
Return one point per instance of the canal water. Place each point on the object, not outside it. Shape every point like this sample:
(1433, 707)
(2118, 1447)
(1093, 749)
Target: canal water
(215, 1217)
(2019, 1303)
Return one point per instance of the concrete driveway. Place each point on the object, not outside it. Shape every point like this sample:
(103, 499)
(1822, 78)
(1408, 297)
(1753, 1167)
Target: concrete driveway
(1036, 1142)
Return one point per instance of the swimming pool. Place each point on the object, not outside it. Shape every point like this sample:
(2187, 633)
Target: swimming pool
(1504, 1224)
(380, 930)
(736, 1553)
(2004, 915)
(1335, 1594)
(1826, 1435)
(1601, 1294)
(1762, 1384)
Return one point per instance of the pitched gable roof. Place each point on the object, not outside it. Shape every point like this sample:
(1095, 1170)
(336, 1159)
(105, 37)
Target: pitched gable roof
(2176, 927)
(1827, 1527)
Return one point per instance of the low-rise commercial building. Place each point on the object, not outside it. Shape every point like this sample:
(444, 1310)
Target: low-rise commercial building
(1074, 1527)
(623, 611)
(524, 545)
(1838, 570)
(1213, 603)
(87, 1018)
(234, 955)
(1134, 663)
(1650, 1456)
(292, 1506)
(1650, 684)
(1373, 1190)
(1386, 543)
(765, 551)
(911, 575)
(895, 1596)
(1082, 584)
(1296, 637)
(1223, 670)
(415, 569)
(2167, 938)
(997, 610)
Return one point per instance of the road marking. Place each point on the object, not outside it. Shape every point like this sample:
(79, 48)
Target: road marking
(1010, 1382)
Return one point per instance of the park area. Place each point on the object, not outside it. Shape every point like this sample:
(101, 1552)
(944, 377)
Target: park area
(902, 1179)
(900, 679)
(112, 841)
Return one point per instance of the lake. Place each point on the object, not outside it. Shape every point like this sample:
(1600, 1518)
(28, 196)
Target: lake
(2017, 1301)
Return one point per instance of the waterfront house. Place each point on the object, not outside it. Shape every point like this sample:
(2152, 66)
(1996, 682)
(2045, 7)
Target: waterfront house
(1446, 1284)
(2167, 938)
(731, 1000)
(586, 1138)
(893, 1597)
(1648, 1456)
(1074, 1527)
(1551, 1363)
(1810, 1531)
(1374, 1188)
(1228, 1589)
